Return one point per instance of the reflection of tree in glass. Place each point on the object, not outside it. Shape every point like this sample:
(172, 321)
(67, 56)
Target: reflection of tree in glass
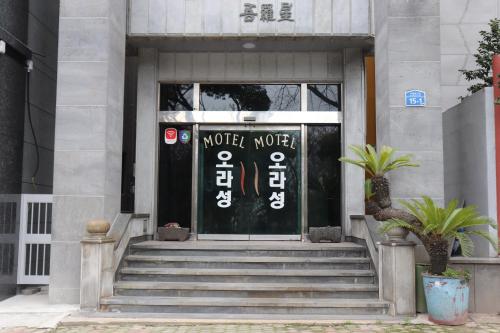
(176, 97)
(321, 153)
(244, 96)
(323, 97)
(250, 97)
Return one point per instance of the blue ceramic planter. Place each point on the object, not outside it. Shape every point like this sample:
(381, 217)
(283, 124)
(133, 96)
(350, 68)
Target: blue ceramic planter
(447, 299)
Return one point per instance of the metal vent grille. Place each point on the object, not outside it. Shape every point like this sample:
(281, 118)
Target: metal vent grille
(35, 237)
(39, 218)
(37, 259)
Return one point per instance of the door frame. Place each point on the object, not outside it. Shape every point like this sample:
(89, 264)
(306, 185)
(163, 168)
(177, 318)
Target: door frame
(194, 190)
(219, 119)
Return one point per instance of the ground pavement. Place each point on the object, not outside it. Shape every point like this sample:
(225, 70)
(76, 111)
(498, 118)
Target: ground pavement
(258, 328)
(34, 314)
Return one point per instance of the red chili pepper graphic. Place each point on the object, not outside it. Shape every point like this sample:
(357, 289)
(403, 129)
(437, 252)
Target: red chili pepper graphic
(242, 178)
(256, 179)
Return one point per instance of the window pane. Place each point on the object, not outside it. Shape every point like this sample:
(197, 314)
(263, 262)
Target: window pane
(323, 97)
(175, 175)
(323, 175)
(176, 97)
(250, 97)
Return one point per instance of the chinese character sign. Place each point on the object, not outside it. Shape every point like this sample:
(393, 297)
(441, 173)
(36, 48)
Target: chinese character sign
(267, 12)
(248, 12)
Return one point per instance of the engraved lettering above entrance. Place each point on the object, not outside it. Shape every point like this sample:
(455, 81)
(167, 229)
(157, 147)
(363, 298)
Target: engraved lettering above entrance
(267, 12)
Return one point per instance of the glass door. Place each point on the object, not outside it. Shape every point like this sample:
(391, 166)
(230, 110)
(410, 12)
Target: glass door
(249, 182)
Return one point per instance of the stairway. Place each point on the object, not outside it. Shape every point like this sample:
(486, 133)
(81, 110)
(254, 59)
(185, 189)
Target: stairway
(239, 279)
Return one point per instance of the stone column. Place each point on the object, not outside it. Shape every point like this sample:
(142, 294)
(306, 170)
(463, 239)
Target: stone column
(97, 265)
(354, 132)
(146, 137)
(397, 276)
(88, 140)
(407, 56)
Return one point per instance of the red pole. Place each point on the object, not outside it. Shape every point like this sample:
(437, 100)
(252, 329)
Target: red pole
(496, 94)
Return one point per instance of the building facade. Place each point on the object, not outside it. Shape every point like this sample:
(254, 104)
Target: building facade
(242, 110)
(228, 117)
(27, 111)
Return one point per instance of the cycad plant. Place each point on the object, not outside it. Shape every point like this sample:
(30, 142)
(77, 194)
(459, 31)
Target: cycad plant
(436, 227)
(377, 165)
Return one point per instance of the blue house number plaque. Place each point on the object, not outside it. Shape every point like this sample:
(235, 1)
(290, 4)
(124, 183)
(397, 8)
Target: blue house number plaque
(415, 98)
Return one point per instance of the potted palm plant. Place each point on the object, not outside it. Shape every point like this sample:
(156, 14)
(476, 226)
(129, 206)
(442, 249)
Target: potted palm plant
(377, 187)
(446, 291)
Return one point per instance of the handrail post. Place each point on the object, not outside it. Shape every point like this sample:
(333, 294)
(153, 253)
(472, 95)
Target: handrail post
(96, 278)
(397, 276)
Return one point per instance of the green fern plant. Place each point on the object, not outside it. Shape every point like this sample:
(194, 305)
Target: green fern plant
(436, 227)
(377, 165)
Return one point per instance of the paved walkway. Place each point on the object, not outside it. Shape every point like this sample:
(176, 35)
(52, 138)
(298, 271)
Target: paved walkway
(34, 314)
(261, 328)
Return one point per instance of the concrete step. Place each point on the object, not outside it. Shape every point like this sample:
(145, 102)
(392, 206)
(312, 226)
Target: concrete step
(268, 249)
(251, 290)
(196, 318)
(179, 261)
(243, 305)
(246, 275)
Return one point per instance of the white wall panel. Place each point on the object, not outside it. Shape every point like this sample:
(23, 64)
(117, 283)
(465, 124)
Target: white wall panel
(157, 16)
(212, 16)
(222, 17)
(138, 16)
(285, 65)
(194, 17)
(252, 67)
(304, 21)
(341, 10)
(251, 63)
(176, 13)
(268, 66)
(234, 66)
(323, 17)
(184, 66)
(216, 63)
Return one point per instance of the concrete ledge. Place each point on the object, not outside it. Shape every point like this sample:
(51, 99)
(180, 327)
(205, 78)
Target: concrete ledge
(475, 260)
(485, 282)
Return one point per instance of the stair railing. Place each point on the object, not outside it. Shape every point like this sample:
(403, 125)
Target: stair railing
(102, 251)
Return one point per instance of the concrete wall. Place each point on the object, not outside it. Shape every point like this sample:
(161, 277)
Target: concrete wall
(407, 56)
(484, 286)
(14, 18)
(222, 18)
(42, 38)
(461, 21)
(88, 142)
(469, 157)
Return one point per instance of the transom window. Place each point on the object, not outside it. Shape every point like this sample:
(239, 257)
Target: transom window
(250, 97)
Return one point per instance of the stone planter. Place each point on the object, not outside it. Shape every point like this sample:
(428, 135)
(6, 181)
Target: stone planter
(173, 234)
(397, 234)
(332, 234)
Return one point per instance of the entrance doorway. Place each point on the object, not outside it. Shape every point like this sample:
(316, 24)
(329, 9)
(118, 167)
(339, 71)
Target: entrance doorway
(249, 180)
(232, 168)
